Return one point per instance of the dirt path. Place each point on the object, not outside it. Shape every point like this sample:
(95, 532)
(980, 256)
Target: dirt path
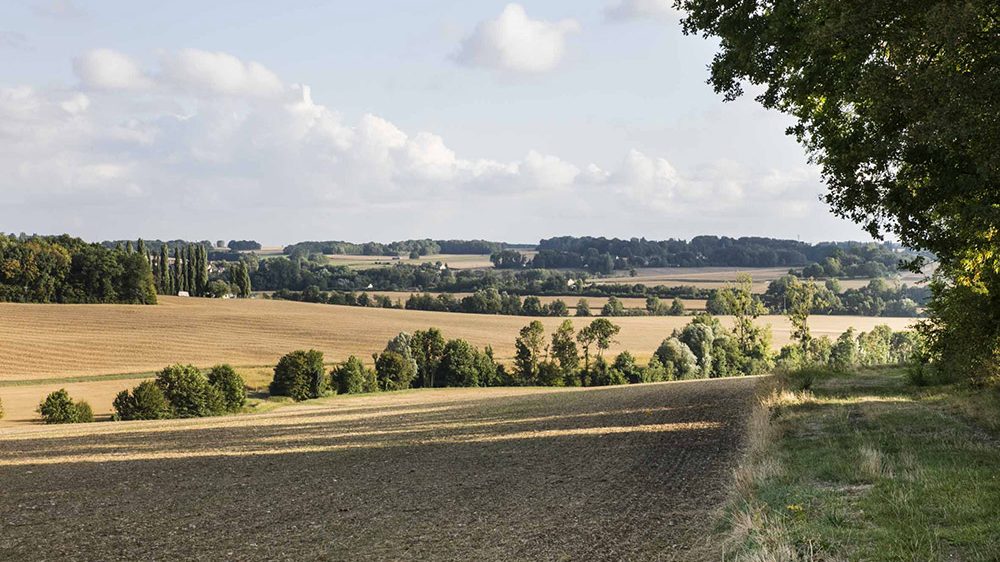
(623, 473)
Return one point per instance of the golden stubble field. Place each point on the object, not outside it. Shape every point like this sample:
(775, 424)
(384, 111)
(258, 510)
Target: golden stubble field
(51, 341)
(718, 277)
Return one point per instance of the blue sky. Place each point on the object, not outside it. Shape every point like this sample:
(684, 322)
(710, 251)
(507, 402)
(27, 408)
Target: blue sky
(381, 120)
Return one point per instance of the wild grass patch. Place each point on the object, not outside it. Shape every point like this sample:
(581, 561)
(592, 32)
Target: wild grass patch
(865, 466)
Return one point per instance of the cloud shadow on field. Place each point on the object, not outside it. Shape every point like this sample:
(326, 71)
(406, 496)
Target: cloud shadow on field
(607, 474)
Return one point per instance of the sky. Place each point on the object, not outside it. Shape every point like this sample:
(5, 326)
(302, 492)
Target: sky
(385, 120)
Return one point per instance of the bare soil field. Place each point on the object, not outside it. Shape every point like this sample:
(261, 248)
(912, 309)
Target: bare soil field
(622, 473)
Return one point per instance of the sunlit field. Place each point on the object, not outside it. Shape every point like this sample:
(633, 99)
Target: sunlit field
(39, 342)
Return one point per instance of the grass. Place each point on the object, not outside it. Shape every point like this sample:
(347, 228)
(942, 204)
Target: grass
(867, 467)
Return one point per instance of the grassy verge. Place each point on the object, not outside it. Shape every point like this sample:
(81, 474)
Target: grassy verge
(866, 467)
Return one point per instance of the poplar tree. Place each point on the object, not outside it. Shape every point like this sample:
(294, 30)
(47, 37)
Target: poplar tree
(178, 272)
(163, 281)
(189, 269)
(201, 275)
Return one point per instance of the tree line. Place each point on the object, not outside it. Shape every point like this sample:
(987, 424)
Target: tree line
(704, 348)
(603, 255)
(63, 269)
(415, 248)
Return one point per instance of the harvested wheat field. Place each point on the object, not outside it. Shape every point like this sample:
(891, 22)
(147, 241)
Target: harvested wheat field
(718, 277)
(41, 341)
(595, 303)
(622, 473)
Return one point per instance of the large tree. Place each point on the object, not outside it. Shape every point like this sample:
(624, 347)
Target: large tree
(897, 101)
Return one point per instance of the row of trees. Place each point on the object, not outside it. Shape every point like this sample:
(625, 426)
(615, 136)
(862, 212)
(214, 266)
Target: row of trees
(877, 298)
(62, 269)
(186, 271)
(421, 247)
(484, 301)
(183, 391)
(594, 253)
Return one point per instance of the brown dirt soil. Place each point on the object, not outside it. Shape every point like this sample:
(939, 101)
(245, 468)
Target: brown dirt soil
(621, 473)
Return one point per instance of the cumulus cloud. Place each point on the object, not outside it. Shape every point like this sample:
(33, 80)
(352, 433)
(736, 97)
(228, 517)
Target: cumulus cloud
(642, 9)
(218, 73)
(252, 156)
(514, 42)
(107, 69)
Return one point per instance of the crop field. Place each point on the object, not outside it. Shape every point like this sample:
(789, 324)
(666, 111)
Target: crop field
(717, 277)
(39, 342)
(612, 473)
(595, 303)
(454, 261)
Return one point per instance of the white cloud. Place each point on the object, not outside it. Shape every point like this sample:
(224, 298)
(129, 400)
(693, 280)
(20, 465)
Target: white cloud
(642, 9)
(250, 156)
(516, 43)
(204, 72)
(106, 69)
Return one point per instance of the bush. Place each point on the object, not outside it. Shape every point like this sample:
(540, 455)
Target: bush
(805, 377)
(58, 407)
(300, 375)
(189, 392)
(395, 371)
(603, 374)
(626, 365)
(459, 365)
(1, 409)
(231, 385)
(84, 413)
(677, 358)
(549, 374)
(144, 402)
(351, 377)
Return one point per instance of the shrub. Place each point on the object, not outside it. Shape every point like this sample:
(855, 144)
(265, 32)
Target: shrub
(351, 377)
(805, 377)
(549, 374)
(395, 370)
(1, 409)
(145, 402)
(84, 413)
(189, 392)
(300, 375)
(459, 365)
(231, 385)
(677, 358)
(655, 371)
(604, 375)
(58, 407)
(626, 365)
